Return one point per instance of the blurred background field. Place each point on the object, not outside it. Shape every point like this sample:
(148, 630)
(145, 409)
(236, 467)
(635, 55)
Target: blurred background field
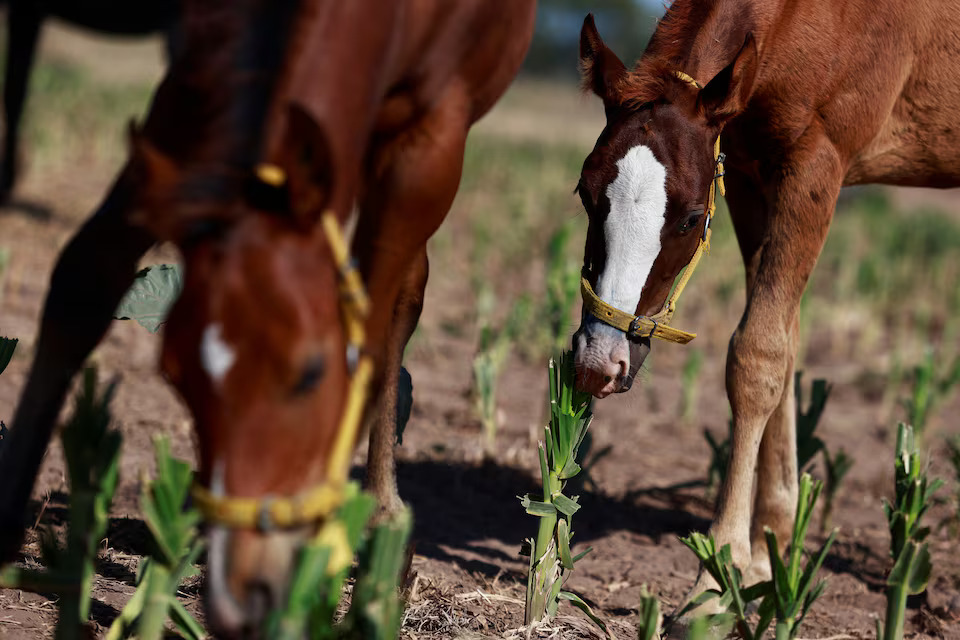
(883, 301)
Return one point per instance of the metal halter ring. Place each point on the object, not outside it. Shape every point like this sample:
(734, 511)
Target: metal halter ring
(635, 328)
(264, 520)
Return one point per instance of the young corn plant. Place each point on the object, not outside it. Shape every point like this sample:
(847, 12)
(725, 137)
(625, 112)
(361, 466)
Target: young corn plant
(322, 569)
(837, 466)
(932, 384)
(551, 559)
(808, 445)
(719, 458)
(174, 547)
(92, 452)
(688, 397)
(563, 288)
(952, 522)
(648, 627)
(795, 588)
(911, 556)
(786, 598)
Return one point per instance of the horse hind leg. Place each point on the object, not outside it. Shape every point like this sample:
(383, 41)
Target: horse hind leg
(381, 466)
(23, 27)
(91, 275)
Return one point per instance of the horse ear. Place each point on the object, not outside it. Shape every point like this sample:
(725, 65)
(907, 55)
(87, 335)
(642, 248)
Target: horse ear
(726, 95)
(307, 159)
(155, 176)
(601, 69)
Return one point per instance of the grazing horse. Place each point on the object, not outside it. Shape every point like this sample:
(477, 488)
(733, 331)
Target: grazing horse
(272, 123)
(24, 18)
(805, 97)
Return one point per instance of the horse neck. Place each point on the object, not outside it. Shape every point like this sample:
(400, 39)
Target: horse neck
(337, 69)
(701, 37)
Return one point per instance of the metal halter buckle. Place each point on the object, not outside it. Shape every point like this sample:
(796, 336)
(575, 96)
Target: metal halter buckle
(635, 328)
(264, 521)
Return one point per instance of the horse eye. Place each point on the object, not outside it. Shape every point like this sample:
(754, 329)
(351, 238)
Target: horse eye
(689, 221)
(310, 376)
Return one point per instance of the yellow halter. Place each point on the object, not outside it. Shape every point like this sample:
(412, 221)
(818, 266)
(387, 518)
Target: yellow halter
(315, 504)
(658, 325)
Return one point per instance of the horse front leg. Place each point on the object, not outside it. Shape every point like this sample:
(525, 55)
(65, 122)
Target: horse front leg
(91, 275)
(23, 27)
(413, 181)
(381, 467)
(781, 242)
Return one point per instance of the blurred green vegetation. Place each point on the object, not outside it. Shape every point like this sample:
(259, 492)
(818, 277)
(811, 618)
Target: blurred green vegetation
(73, 119)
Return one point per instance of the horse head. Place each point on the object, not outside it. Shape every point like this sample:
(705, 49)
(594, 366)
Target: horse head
(647, 187)
(264, 351)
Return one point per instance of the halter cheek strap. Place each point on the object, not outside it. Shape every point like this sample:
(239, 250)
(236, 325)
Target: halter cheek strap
(319, 502)
(658, 325)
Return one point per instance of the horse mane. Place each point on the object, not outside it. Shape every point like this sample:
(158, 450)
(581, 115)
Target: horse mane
(668, 51)
(228, 67)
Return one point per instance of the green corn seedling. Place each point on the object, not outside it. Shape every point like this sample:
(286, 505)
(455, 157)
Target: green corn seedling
(837, 467)
(92, 452)
(953, 450)
(719, 458)
(174, 547)
(794, 588)
(785, 599)
(930, 387)
(563, 287)
(911, 568)
(688, 398)
(551, 559)
(648, 627)
(733, 596)
(808, 445)
(319, 576)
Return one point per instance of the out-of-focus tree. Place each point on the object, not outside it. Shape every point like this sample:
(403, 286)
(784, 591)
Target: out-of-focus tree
(626, 26)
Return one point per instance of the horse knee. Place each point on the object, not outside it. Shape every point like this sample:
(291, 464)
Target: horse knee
(756, 366)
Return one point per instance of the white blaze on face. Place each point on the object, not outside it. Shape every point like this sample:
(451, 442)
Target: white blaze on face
(216, 356)
(638, 204)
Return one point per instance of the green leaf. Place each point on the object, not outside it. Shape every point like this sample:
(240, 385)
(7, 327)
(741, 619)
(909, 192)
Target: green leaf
(565, 505)
(537, 508)
(563, 544)
(149, 298)
(7, 347)
(186, 624)
(578, 602)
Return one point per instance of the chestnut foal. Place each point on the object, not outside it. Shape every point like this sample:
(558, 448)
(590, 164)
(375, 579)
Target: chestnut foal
(805, 99)
(275, 120)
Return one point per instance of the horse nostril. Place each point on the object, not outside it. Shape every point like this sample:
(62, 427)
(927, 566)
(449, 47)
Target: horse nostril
(259, 603)
(624, 368)
(607, 379)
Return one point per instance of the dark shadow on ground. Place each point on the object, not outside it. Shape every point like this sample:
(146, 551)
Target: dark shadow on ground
(457, 505)
(33, 210)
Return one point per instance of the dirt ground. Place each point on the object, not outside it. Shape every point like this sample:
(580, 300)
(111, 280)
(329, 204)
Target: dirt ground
(469, 524)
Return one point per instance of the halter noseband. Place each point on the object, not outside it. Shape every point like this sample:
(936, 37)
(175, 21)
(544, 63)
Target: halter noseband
(658, 325)
(283, 512)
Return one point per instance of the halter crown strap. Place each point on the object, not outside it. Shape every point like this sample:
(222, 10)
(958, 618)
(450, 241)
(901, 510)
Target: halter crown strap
(657, 325)
(319, 502)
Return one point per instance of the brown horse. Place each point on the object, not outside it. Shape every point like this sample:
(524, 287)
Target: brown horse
(275, 112)
(806, 97)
